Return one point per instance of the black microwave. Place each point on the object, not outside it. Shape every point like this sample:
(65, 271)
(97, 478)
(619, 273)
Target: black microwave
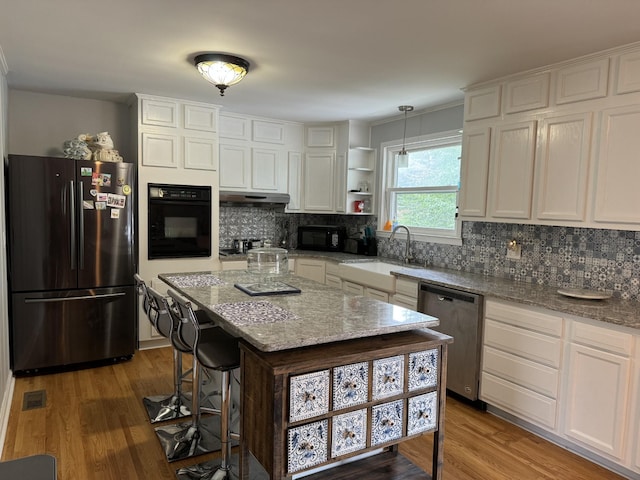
(321, 237)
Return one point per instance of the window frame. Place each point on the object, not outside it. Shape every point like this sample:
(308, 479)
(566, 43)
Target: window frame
(389, 151)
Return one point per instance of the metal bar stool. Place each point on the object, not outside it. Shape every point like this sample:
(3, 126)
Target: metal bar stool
(214, 350)
(177, 404)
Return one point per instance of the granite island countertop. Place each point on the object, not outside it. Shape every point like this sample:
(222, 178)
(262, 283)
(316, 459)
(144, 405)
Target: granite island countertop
(319, 314)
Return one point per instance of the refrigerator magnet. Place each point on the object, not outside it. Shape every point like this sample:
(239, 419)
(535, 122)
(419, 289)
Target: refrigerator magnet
(100, 205)
(106, 179)
(102, 197)
(126, 189)
(120, 182)
(87, 204)
(96, 179)
(115, 213)
(86, 171)
(115, 200)
(93, 192)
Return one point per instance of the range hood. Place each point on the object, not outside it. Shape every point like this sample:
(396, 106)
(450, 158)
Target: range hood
(254, 199)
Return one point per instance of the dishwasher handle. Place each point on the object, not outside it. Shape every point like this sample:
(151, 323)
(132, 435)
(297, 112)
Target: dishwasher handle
(446, 294)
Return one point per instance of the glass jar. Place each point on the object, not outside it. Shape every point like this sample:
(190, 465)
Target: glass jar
(268, 261)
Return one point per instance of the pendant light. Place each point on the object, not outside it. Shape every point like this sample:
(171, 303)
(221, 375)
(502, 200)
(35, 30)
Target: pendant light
(403, 157)
(221, 70)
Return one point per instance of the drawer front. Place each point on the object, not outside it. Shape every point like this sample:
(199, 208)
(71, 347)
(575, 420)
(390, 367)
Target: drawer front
(350, 385)
(525, 318)
(520, 401)
(422, 413)
(307, 446)
(603, 338)
(308, 395)
(423, 369)
(349, 432)
(333, 281)
(352, 288)
(407, 287)
(403, 301)
(388, 377)
(534, 346)
(377, 294)
(386, 422)
(332, 268)
(523, 372)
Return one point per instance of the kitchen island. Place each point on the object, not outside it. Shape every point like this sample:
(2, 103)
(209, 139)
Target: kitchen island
(326, 377)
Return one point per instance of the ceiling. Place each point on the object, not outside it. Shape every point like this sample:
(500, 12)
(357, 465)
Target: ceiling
(311, 60)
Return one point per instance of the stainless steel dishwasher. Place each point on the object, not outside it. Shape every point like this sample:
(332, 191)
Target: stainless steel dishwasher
(460, 315)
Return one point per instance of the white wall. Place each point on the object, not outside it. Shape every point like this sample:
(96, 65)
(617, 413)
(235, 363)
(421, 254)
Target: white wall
(6, 378)
(40, 123)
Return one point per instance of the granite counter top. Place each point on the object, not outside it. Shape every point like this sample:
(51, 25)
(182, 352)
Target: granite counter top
(612, 310)
(320, 314)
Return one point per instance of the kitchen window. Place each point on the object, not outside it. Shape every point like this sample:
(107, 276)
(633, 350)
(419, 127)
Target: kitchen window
(423, 195)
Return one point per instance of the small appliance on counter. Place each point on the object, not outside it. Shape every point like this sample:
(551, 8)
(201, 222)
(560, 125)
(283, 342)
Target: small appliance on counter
(329, 238)
(367, 245)
(268, 264)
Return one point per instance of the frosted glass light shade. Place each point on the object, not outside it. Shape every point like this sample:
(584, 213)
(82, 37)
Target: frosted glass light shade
(221, 70)
(403, 159)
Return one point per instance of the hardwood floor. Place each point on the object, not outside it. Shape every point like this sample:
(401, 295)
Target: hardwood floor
(95, 425)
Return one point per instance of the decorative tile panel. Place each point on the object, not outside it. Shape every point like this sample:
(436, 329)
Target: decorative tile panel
(308, 395)
(422, 413)
(423, 369)
(349, 432)
(350, 385)
(388, 377)
(307, 446)
(386, 422)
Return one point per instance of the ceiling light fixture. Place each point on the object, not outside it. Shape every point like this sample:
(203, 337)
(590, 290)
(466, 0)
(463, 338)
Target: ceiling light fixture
(222, 70)
(403, 156)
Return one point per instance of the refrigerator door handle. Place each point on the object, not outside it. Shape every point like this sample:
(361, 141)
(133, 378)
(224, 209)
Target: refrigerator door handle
(81, 224)
(67, 299)
(72, 225)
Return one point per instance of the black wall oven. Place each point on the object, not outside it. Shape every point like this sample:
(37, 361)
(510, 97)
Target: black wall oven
(179, 221)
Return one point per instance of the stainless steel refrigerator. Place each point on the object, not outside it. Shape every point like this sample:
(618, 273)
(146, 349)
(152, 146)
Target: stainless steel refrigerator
(72, 256)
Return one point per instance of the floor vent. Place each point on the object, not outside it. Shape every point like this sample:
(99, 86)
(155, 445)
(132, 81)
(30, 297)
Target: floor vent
(33, 400)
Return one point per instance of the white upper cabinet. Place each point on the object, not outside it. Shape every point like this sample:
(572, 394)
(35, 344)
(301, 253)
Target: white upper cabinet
(628, 77)
(177, 134)
(482, 103)
(235, 167)
(318, 182)
(256, 153)
(294, 180)
(320, 136)
(474, 172)
(528, 93)
(562, 166)
(617, 196)
(580, 120)
(582, 82)
(511, 170)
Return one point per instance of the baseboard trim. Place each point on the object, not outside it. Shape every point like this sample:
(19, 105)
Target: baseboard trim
(5, 409)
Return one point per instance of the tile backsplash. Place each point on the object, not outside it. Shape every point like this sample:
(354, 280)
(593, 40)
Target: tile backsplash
(595, 259)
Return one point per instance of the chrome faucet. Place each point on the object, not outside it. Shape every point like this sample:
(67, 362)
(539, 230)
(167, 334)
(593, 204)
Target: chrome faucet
(407, 253)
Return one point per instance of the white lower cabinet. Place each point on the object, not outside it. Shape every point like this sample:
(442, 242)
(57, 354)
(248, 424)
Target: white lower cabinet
(406, 294)
(521, 358)
(352, 288)
(234, 265)
(311, 268)
(377, 294)
(596, 405)
(575, 378)
(333, 281)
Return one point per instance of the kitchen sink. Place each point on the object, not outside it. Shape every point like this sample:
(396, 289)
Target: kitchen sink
(371, 274)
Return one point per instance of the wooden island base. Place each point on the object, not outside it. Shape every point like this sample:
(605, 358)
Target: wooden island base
(384, 466)
(414, 362)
